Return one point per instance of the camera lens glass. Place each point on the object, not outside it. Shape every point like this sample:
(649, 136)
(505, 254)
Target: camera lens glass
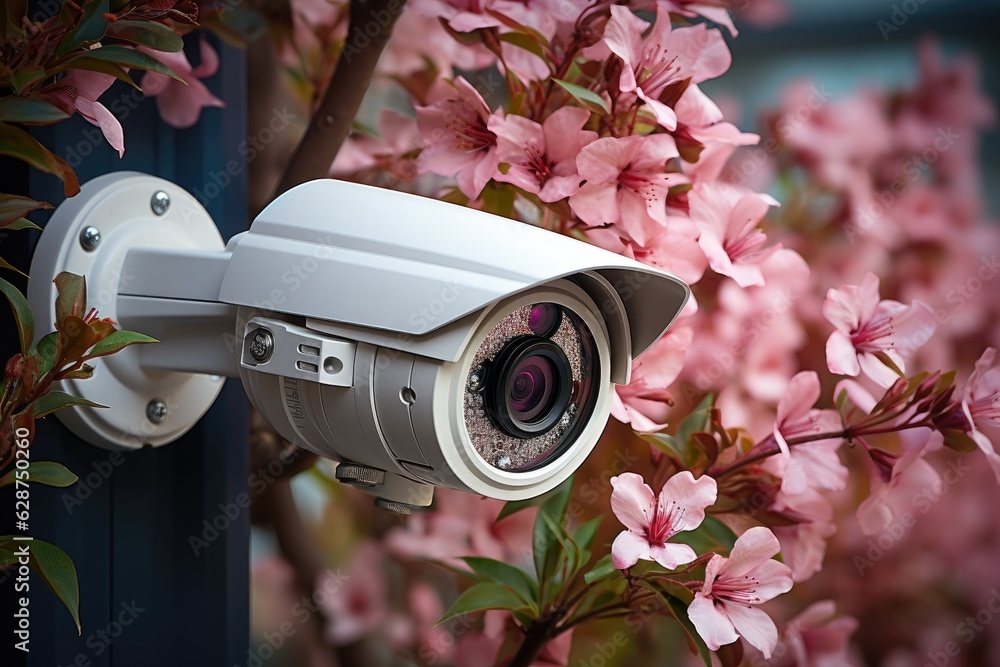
(532, 388)
(528, 386)
(544, 318)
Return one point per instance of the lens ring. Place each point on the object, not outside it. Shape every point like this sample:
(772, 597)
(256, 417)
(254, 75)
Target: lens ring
(529, 387)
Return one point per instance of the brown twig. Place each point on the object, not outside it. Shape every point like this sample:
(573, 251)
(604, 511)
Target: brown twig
(369, 30)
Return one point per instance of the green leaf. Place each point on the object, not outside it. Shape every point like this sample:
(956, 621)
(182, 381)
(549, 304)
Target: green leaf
(55, 401)
(117, 341)
(684, 456)
(4, 264)
(515, 506)
(583, 536)
(602, 570)
(147, 33)
(958, 440)
(71, 298)
(55, 568)
(125, 57)
(23, 316)
(48, 353)
(587, 98)
(16, 109)
(679, 609)
(90, 29)
(481, 597)
(512, 577)
(83, 62)
(49, 473)
(26, 76)
(526, 42)
(887, 360)
(17, 143)
(19, 224)
(697, 421)
(543, 539)
(13, 208)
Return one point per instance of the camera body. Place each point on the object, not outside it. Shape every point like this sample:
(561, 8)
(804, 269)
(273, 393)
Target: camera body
(417, 342)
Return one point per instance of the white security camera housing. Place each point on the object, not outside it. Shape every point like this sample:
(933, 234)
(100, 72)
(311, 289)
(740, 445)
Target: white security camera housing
(417, 342)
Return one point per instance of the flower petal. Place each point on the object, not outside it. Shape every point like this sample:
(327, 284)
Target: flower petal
(671, 555)
(712, 624)
(751, 549)
(841, 357)
(755, 626)
(773, 579)
(628, 548)
(693, 495)
(631, 500)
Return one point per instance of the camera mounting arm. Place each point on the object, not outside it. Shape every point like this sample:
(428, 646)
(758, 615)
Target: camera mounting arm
(153, 259)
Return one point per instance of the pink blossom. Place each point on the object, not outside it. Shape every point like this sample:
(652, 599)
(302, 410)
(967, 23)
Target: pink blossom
(713, 11)
(542, 158)
(644, 401)
(457, 139)
(418, 38)
(911, 474)
(663, 58)
(460, 525)
(803, 542)
(725, 607)
(89, 86)
(728, 217)
(627, 184)
(398, 136)
(981, 405)
(180, 105)
(867, 326)
(354, 602)
(817, 638)
(651, 521)
(816, 463)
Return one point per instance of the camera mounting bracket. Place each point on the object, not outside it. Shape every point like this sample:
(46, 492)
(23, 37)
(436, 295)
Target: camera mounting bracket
(92, 234)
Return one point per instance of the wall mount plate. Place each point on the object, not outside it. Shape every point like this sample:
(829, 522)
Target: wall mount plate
(90, 235)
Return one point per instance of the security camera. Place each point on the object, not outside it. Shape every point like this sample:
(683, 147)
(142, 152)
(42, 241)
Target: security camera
(415, 342)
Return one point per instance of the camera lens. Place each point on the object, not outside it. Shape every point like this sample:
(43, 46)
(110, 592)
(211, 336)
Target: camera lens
(533, 384)
(530, 386)
(544, 319)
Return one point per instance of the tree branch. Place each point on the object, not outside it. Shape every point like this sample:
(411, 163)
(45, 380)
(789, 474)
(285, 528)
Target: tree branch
(331, 123)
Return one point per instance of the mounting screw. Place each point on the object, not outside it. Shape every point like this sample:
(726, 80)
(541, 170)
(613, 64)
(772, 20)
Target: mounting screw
(261, 345)
(393, 506)
(160, 202)
(156, 411)
(355, 473)
(90, 238)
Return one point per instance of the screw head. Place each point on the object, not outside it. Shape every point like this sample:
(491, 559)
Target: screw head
(90, 238)
(393, 506)
(261, 345)
(160, 202)
(156, 411)
(355, 473)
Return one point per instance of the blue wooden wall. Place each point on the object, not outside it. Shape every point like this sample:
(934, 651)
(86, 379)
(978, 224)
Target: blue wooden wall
(141, 584)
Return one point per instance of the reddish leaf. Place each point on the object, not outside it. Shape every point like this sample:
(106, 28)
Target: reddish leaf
(76, 338)
(72, 299)
(13, 208)
(19, 144)
(117, 341)
(23, 316)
